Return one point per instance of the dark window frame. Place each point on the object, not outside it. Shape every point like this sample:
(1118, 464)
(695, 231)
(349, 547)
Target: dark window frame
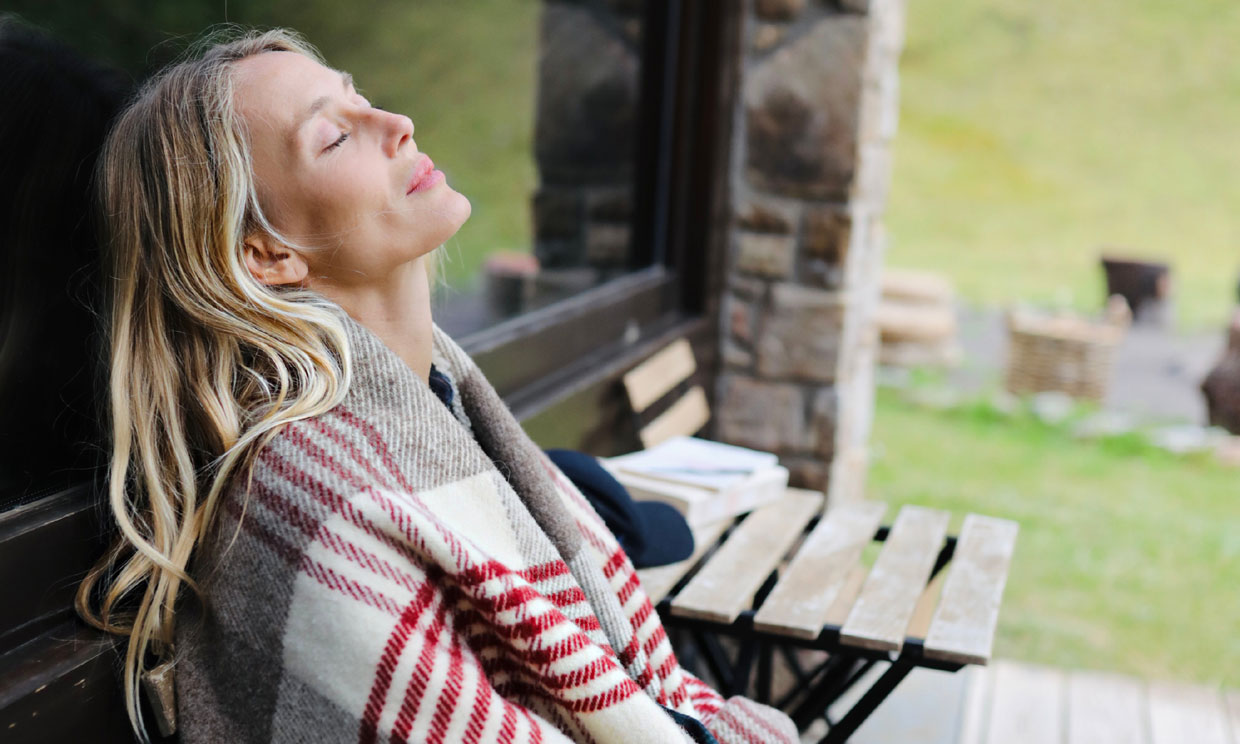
(539, 361)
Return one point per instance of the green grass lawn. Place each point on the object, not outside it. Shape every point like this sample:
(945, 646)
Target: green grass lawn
(1033, 134)
(1128, 558)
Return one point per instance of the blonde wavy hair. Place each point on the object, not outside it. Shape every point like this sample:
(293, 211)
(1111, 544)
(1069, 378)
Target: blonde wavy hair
(207, 364)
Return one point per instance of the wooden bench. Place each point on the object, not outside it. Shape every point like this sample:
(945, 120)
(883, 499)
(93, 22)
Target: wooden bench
(788, 577)
(58, 677)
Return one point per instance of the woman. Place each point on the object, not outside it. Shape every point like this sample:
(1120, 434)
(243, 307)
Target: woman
(375, 549)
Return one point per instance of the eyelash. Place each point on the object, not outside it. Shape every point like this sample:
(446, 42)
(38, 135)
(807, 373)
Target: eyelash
(340, 141)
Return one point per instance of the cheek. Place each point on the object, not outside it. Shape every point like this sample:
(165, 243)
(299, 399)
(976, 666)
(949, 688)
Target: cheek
(328, 207)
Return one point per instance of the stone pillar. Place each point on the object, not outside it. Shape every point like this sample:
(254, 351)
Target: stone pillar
(811, 162)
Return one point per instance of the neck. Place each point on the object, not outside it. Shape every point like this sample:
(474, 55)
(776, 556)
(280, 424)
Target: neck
(398, 311)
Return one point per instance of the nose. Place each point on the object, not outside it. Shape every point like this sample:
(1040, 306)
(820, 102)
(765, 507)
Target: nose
(398, 131)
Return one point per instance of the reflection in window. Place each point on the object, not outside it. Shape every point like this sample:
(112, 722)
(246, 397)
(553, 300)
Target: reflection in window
(57, 107)
(529, 106)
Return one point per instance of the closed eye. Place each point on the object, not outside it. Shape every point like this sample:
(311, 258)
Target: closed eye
(340, 140)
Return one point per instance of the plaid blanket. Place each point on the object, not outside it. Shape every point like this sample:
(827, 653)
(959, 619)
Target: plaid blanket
(402, 572)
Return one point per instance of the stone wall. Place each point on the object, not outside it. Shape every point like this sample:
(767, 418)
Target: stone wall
(813, 120)
(811, 164)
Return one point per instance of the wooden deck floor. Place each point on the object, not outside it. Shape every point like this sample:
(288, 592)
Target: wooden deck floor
(1018, 703)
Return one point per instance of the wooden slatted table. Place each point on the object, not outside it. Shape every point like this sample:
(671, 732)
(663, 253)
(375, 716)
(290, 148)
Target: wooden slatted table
(787, 576)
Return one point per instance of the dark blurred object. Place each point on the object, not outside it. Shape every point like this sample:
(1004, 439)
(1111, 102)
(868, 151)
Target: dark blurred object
(1222, 385)
(509, 281)
(651, 533)
(57, 108)
(1145, 285)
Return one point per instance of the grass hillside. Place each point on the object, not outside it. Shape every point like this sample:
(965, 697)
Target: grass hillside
(1032, 134)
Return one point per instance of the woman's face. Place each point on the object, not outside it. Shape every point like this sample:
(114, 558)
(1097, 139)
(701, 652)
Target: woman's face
(338, 176)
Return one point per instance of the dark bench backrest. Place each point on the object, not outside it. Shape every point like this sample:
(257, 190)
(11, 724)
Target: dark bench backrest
(59, 678)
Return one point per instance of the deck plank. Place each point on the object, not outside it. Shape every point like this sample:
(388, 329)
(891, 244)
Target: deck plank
(880, 618)
(1186, 713)
(1105, 709)
(726, 585)
(1232, 700)
(974, 714)
(799, 603)
(1027, 706)
(963, 629)
(658, 581)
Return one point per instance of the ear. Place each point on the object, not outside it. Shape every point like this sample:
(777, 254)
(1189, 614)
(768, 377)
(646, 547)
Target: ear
(272, 263)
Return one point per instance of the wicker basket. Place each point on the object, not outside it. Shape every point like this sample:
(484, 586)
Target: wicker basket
(1067, 353)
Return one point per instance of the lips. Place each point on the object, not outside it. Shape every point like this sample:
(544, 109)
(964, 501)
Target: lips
(423, 171)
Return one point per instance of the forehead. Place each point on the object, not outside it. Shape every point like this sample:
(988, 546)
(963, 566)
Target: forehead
(278, 87)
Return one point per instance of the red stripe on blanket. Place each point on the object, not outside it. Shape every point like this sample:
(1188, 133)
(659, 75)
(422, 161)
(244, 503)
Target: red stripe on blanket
(482, 705)
(344, 585)
(319, 425)
(733, 721)
(420, 679)
(568, 597)
(544, 571)
(376, 440)
(657, 636)
(643, 613)
(629, 587)
(615, 563)
(535, 663)
(519, 595)
(316, 570)
(522, 632)
(667, 667)
(482, 572)
(707, 701)
(508, 726)
(387, 663)
(319, 455)
(765, 732)
(331, 499)
(623, 690)
(298, 518)
(677, 696)
(446, 704)
(535, 730)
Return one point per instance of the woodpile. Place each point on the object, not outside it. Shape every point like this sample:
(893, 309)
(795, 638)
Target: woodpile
(917, 320)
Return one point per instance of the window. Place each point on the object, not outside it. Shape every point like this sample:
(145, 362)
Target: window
(581, 131)
(556, 363)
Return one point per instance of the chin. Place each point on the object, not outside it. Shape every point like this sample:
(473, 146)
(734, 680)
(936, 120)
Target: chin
(461, 207)
(452, 213)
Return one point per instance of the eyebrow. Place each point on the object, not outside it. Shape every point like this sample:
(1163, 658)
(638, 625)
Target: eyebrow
(346, 80)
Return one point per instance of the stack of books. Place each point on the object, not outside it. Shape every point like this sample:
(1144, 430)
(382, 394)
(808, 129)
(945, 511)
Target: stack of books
(705, 481)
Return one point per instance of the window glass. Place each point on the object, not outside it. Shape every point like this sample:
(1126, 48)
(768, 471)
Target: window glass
(529, 106)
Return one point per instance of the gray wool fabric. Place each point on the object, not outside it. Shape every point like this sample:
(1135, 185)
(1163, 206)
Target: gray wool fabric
(399, 571)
